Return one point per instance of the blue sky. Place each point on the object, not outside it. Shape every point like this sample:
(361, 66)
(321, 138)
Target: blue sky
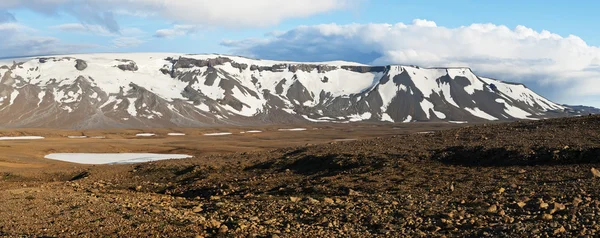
(552, 46)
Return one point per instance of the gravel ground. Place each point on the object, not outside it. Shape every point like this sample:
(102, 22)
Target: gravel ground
(521, 179)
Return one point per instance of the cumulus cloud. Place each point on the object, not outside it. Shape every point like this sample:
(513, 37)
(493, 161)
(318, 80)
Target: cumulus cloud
(18, 40)
(520, 54)
(229, 13)
(177, 30)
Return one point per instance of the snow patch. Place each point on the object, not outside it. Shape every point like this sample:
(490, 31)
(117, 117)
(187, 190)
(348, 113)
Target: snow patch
(21, 138)
(113, 158)
(176, 134)
(219, 134)
(294, 129)
(145, 135)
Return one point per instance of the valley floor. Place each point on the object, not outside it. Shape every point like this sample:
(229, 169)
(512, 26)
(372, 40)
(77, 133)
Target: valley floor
(518, 179)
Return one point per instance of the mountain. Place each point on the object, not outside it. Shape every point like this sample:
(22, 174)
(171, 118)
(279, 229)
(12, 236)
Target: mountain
(170, 90)
(581, 110)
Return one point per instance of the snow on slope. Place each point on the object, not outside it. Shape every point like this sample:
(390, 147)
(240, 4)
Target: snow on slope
(169, 89)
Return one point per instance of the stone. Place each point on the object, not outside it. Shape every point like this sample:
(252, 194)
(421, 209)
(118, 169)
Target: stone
(223, 229)
(560, 230)
(197, 209)
(595, 173)
(353, 193)
(547, 217)
(492, 209)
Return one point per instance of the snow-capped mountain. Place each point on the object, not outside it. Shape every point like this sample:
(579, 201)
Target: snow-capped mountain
(168, 90)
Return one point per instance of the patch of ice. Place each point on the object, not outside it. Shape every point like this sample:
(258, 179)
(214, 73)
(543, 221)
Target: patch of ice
(294, 129)
(386, 117)
(21, 138)
(113, 158)
(218, 134)
(176, 134)
(458, 122)
(145, 134)
(254, 131)
(77, 137)
(481, 114)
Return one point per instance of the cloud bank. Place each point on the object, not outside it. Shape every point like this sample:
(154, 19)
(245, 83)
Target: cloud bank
(225, 13)
(520, 54)
(18, 40)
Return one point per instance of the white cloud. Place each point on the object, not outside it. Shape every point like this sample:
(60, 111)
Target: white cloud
(18, 40)
(177, 30)
(565, 65)
(228, 13)
(96, 29)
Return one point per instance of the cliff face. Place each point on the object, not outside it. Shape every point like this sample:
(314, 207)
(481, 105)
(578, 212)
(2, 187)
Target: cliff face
(167, 90)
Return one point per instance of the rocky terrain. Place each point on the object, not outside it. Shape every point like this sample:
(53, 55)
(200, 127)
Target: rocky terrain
(520, 179)
(159, 90)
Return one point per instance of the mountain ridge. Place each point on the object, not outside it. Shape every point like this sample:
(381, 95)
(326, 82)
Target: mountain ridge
(86, 91)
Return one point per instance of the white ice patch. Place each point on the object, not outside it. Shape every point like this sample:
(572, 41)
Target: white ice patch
(21, 138)
(145, 135)
(458, 122)
(254, 131)
(77, 137)
(219, 134)
(41, 96)
(386, 117)
(294, 129)
(114, 158)
(481, 114)
(516, 112)
(440, 115)
(176, 134)
(13, 96)
(361, 117)
(131, 108)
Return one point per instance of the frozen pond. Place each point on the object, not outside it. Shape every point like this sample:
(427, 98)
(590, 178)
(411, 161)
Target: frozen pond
(113, 158)
(21, 138)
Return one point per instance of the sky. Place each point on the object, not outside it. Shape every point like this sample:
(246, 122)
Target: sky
(551, 46)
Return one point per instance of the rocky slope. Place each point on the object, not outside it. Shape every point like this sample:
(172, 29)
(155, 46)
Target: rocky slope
(166, 90)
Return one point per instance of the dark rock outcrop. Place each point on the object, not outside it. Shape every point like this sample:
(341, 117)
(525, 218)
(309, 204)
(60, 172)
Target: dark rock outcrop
(80, 65)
